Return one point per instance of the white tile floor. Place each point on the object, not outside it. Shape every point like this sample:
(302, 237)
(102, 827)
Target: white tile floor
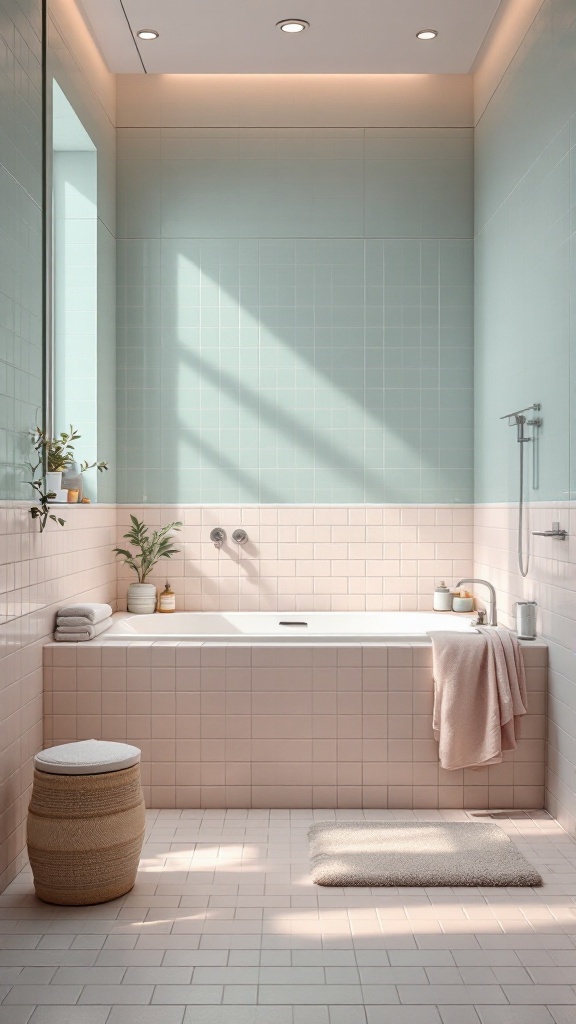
(224, 927)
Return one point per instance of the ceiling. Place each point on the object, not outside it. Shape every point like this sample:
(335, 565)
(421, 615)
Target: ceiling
(240, 36)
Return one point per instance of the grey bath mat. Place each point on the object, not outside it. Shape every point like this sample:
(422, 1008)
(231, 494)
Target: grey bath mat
(346, 853)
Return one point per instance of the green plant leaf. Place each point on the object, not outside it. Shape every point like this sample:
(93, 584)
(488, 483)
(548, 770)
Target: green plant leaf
(151, 548)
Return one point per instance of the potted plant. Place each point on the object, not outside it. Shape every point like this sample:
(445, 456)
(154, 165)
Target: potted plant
(150, 549)
(60, 458)
(55, 458)
(59, 455)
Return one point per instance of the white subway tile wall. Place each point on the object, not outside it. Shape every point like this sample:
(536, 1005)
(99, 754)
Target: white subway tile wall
(552, 583)
(225, 725)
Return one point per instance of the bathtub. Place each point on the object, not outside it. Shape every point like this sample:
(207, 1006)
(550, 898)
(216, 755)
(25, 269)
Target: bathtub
(235, 709)
(286, 627)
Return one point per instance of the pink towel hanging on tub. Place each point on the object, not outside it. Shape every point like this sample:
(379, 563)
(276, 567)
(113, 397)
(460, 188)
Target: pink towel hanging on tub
(479, 696)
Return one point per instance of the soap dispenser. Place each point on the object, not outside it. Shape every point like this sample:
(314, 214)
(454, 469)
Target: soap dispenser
(167, 600)
(442, 598)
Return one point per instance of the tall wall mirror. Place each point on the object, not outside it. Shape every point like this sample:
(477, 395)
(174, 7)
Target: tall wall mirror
(73, 380)
(80, 270)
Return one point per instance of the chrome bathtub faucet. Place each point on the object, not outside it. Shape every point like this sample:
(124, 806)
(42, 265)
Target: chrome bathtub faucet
(218, 536)
(493, 610)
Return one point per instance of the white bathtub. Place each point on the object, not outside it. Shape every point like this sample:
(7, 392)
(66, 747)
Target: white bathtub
(286, 627)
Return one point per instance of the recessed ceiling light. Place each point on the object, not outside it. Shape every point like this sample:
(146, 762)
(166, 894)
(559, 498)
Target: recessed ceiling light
(292, 25)
(427, 33)
(147, 33)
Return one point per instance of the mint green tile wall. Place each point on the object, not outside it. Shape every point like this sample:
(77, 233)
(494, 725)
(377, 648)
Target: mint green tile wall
(20, 240)
(295, 315)
(525, 269)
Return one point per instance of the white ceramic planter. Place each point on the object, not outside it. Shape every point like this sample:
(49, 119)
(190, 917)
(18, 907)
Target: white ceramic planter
(54, 484)
(141, 598)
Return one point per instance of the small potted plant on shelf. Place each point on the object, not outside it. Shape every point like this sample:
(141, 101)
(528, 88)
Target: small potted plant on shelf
(60, 459)
(59, 455)
(55, 459)
(150, 549)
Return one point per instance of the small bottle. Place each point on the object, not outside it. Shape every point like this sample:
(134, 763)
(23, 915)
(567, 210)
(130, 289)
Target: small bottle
(167, 600)
(442, 598)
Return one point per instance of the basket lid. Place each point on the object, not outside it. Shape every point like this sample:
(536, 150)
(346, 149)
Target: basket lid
(88, 757)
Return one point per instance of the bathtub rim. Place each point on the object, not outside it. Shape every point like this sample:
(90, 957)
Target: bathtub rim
(275, 639)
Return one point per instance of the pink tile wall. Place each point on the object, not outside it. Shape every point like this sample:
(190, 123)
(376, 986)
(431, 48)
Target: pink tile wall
(37, 575)
(313, 559)
(551, 582)
(223, 725)
(298, 558)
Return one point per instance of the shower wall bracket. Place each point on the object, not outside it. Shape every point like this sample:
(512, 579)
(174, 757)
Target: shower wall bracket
(554, 532)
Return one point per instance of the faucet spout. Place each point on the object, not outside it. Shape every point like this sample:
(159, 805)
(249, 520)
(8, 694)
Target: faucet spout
(493, 608)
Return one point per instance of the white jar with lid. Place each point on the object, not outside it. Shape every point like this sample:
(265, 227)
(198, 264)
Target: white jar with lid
(526, 620)
(462, 602)
(442, 598)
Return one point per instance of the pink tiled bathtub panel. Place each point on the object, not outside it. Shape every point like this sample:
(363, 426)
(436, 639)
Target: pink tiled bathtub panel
(224, 725)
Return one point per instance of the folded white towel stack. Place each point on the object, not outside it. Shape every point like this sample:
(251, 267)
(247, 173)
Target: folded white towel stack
(87, 612)
(79, 622)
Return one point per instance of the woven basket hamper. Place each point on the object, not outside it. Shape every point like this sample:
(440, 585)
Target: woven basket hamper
(85, 835)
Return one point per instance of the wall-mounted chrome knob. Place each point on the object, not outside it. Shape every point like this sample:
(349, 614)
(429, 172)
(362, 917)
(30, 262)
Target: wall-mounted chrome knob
(218, 536)
(240, 536)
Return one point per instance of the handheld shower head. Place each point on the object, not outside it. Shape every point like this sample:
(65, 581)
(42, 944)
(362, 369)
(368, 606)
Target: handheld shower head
(517, 419)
